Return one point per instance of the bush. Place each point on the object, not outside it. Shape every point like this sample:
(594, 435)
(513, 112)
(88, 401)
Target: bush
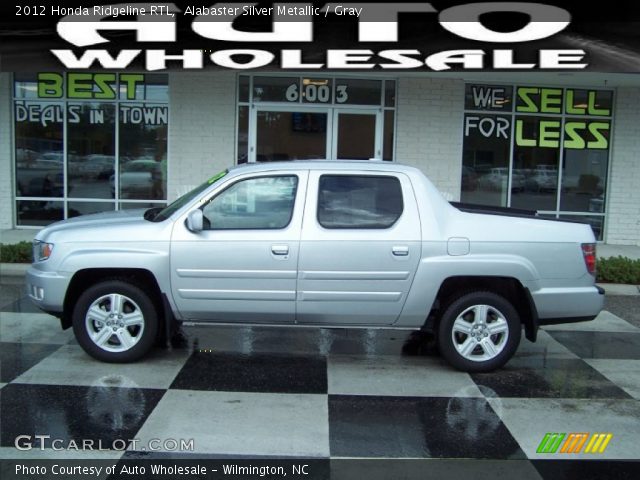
(16, 253)
(619, 270)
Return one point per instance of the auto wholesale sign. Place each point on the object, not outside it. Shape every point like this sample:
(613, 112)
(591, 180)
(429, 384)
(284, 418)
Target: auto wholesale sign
(357, 36)
(376, 23)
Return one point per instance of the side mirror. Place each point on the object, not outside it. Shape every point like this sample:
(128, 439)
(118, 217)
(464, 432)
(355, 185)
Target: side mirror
(195, 221)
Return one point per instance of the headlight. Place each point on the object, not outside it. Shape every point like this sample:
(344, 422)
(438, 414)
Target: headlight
(41, 250)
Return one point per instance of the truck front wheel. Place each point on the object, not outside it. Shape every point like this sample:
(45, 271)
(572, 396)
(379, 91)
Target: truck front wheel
(479, 332)
(115, 321)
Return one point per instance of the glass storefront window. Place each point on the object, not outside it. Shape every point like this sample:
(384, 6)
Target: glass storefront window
(591, 102)
(243, 134)
(137, 205)
(316, 90)
(143, 87)
(488, 97)
(319, 116)
(538, 100)
(276, 89)
(560, 157)
(75, 209)
(291, 135)
(389, 131)
(536, 155)
(25, 86)
(243, 88)
(595, 222)
(584, 169)
(89, 110)
(358, 92)
(143, 155)
(91, 148)
(356, 125)
(485, 160)
(390, 93)
(33, 213)
(39, 149)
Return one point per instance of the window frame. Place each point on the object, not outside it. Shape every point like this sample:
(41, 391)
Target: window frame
(251, 107)
(388, 227)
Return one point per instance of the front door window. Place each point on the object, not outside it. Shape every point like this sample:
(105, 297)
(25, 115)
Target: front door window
(263, 203)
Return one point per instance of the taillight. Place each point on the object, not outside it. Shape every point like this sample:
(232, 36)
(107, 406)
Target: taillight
(589, 253)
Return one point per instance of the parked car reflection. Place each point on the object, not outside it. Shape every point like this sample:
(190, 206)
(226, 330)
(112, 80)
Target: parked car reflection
(596, 205)
(41, 175)
(497, 180)
(542, 180)
(469, 179)
(141, 178)
(97, 166)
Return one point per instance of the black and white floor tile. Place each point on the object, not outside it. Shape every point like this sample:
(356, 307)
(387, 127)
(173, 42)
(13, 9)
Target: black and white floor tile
(316, 393)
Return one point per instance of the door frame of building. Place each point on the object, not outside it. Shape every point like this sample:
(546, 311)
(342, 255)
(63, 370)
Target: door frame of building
(332, 112)
(376, 112)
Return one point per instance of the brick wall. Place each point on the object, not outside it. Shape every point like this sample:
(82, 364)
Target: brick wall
(202, 127)
(7, 205)
(429, 129)
(624, 184)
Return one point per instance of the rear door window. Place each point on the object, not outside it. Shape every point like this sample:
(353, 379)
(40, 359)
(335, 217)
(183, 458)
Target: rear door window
(359, 201)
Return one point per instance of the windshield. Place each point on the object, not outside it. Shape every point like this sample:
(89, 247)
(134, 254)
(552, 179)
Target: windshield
(161, 214)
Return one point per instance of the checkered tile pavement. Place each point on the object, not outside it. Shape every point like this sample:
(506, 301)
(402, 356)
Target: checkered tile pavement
(259, 392)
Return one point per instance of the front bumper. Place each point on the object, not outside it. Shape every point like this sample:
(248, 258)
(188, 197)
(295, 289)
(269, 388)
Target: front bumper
(47, 289)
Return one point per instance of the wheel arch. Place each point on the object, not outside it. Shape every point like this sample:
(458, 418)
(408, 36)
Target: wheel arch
(508, 287)
(86, 278)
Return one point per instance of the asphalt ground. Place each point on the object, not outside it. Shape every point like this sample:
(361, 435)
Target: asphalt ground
(627, 307)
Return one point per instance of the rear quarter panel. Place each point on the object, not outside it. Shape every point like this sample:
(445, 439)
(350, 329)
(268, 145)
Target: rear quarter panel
(545, 256)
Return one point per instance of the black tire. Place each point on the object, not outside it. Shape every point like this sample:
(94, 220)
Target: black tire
(500, 312)
(144, 334)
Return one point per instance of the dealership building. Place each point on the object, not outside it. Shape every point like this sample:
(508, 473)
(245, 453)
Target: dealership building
(565, 144)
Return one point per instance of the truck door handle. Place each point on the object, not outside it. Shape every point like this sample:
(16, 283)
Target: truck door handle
(400, 251)
(280, 249)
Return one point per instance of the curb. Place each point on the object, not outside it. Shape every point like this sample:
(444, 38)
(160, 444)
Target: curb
(20, 269)
(13, 269)
(620, 289)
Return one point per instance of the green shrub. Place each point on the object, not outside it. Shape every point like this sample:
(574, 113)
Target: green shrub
(619, 270)
(16, 253)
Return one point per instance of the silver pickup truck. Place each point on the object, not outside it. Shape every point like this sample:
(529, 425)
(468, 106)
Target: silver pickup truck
(316, 243)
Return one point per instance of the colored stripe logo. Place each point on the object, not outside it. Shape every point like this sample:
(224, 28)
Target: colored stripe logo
(550, 443)
(574, 442)
(598, 443)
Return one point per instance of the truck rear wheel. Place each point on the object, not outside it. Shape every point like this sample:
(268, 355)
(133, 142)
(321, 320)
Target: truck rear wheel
(115, 321)
(479, 332)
